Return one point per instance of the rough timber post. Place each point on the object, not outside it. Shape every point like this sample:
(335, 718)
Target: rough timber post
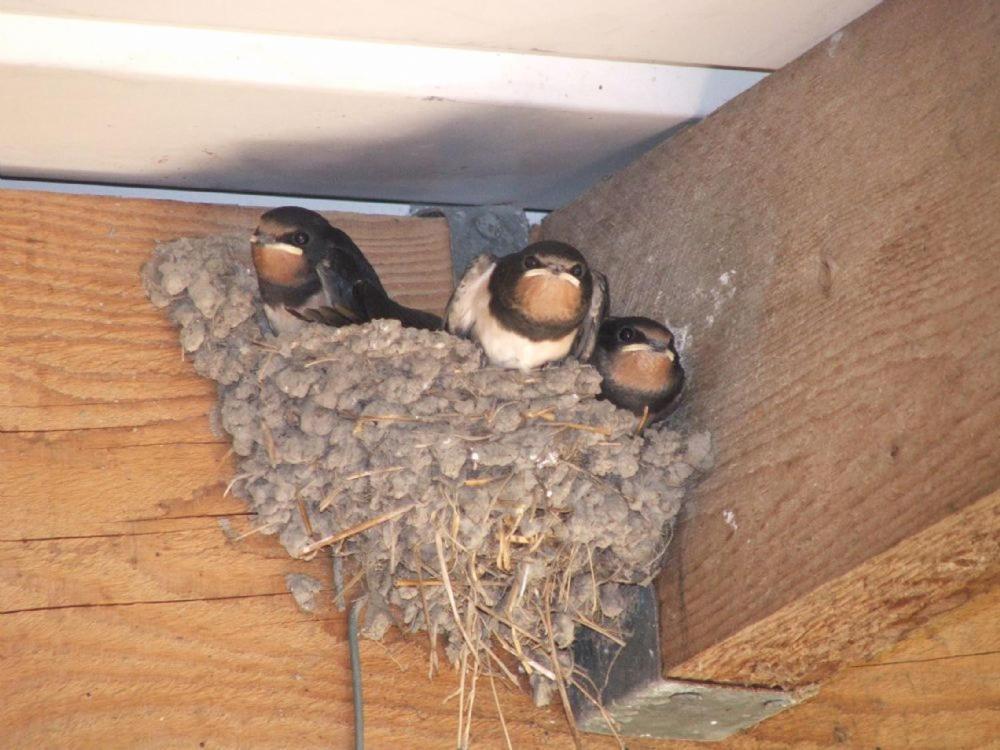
(827, 247)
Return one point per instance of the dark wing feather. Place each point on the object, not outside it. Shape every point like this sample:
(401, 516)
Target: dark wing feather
(354, 264)
(379, 305)
(335, 315)
(344, 266)
(600, 300)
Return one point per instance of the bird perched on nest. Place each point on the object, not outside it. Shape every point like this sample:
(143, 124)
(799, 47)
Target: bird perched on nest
(310, 271)
(639, 366)
(530, 308)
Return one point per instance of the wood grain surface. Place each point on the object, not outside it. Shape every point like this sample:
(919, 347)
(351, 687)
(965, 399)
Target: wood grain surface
(129, 619)
(827, 248)
(864, 612)
(938, 689)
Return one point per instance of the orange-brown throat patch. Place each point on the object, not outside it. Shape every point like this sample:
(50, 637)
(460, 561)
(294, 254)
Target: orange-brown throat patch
(646, 371)
(279, 267)
(548, 299)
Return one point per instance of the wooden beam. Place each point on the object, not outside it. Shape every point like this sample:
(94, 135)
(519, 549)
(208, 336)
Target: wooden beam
(937, 688)
(852, 618)
(826, 247)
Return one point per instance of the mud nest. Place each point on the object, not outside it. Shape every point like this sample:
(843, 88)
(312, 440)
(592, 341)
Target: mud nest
(497, 510)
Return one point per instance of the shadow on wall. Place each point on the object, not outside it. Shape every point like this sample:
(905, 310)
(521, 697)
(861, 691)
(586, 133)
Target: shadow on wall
(461, 162)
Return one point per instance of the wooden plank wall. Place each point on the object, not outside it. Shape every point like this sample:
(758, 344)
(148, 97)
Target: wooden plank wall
(828, 247)
(127, 619)
(938, 689)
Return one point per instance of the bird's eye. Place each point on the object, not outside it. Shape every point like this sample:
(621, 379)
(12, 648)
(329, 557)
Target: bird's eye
(532, 262)
(577, 271)
(626, 334)
(300, 238)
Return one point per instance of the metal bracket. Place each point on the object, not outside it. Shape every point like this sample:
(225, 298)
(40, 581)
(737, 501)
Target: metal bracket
(498, 230)
(645, 705)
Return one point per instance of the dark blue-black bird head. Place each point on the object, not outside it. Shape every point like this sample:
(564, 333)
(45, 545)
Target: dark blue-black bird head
(639, 365)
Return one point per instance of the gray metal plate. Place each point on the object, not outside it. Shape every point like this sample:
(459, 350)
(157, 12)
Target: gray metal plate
(643, 704)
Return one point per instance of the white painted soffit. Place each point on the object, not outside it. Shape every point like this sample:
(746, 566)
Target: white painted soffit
(760, 34)
(327, 64)
(131, 103)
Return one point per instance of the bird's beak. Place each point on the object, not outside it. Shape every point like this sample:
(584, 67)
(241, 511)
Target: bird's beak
(261, 240)
(555, 271)
(567, 277)
(663, 347)
(657, 347)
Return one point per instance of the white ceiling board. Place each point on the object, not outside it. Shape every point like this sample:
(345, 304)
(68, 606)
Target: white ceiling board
(209, 109)
(348, 145)
(763, 34)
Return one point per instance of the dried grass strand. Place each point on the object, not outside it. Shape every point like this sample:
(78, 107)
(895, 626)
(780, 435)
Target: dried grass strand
(503, 721)
(256, 530)
(431, 633)
(358, 529)
(439, 544)
(546, 615)
(588, 623)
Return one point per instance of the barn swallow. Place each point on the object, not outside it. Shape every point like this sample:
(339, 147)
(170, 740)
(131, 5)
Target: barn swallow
(530, 308)
(639, 366)
(310, 271)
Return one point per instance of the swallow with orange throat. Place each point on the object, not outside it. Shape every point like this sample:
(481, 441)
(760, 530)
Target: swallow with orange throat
(639, 366)
(312, 272)
(530, 308)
